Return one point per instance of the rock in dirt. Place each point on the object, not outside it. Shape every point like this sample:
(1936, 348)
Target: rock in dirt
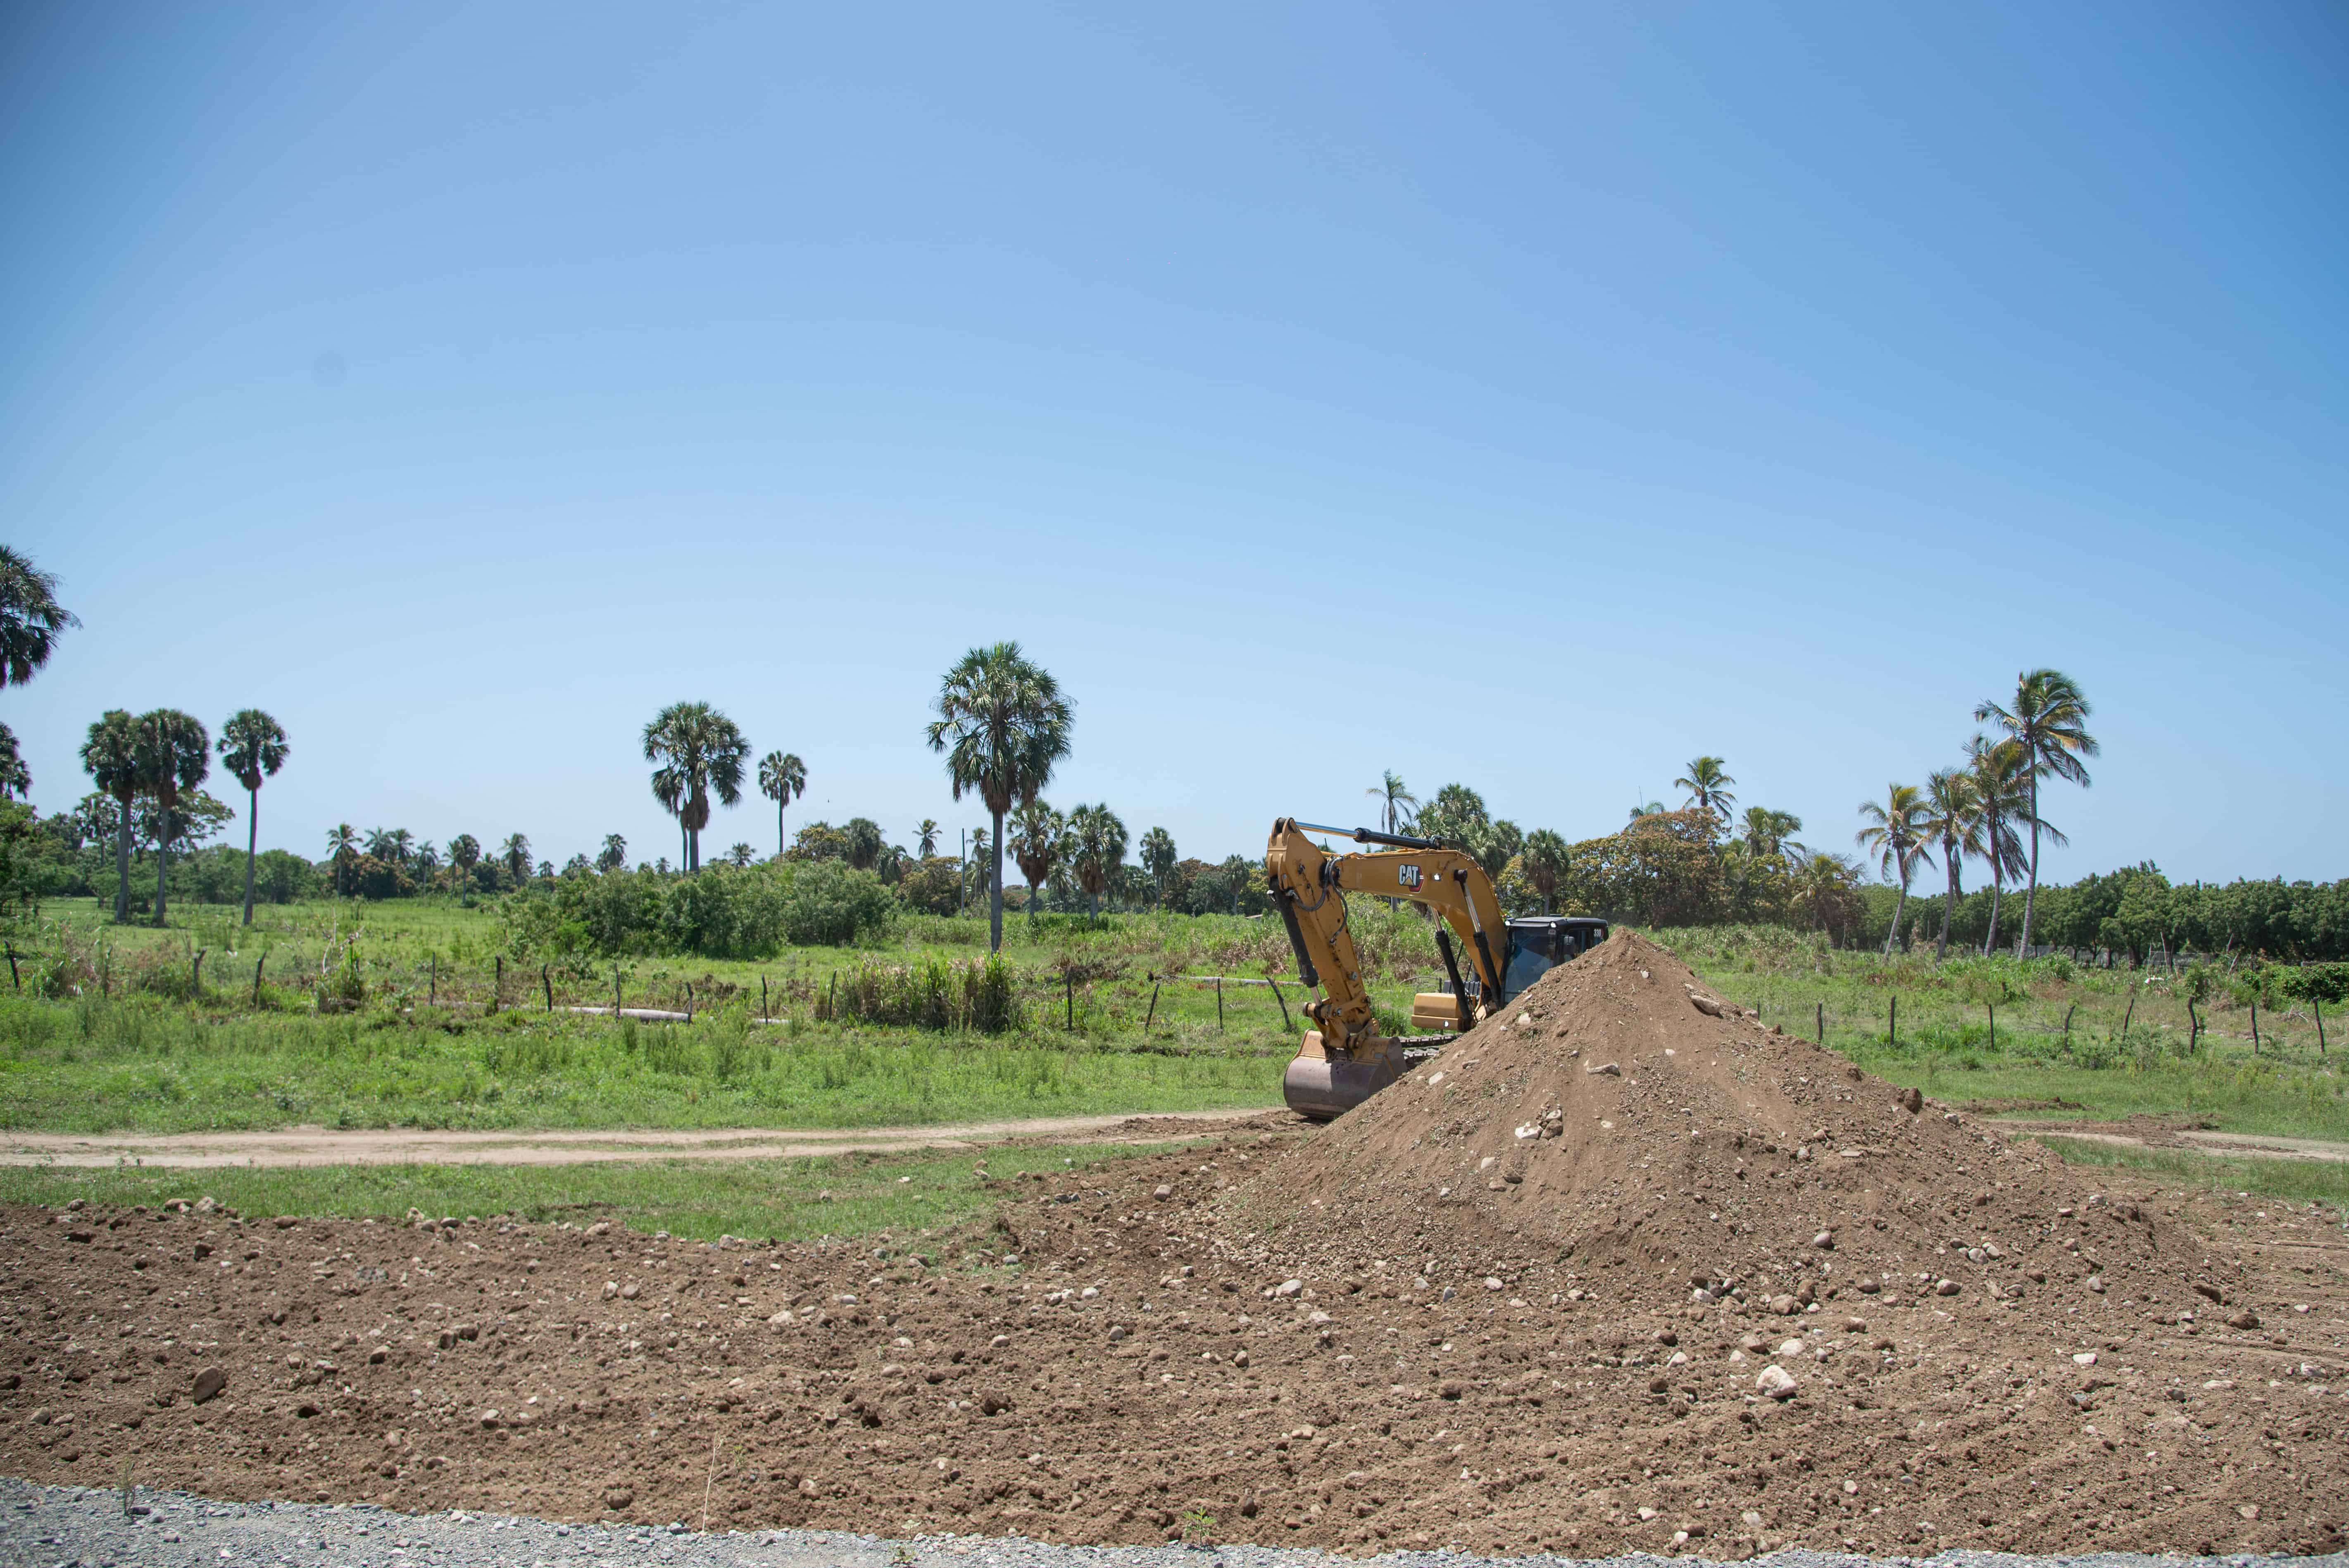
(207, 1384)
(1776, 1382)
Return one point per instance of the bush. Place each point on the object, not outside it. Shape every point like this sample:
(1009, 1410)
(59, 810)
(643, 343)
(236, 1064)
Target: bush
(980, 995)
(832, 903)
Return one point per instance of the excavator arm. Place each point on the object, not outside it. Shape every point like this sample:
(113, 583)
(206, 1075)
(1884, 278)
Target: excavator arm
(1346, 1060)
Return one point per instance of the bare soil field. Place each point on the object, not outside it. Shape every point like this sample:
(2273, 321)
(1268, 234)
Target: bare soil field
(1620, 1270)
(409, 1146)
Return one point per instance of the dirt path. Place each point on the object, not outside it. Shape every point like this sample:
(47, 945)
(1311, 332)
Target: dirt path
(407, 1146)
(2147, 1132)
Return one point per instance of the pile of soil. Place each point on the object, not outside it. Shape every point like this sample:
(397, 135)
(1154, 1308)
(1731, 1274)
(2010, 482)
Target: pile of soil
(1518, 1302)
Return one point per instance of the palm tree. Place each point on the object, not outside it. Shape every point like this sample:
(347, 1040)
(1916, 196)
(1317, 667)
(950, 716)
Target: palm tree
(427, 858)
(1767, 832)
(1039, 839)
(379, 845)
(1953, 818)
(614, 855)
(1707, 782)
(782, 775)
(15, 778)
(514, 855)
(1394, 799)
(252, 747)
(1159, 859)
(1002, 724)
(110, 757)
(1894, 836)
(464, 851)
(703, 752)
(1546, 858)
(926, 838)
(1097, 845)
(343, 848)
(2049, 721)
(669, 788)
(30, 618)
(174, 754)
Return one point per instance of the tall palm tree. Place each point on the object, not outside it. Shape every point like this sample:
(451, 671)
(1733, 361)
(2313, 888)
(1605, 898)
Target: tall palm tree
(669, 788)
(1546, 859)
(1159, 859)
(1895, 835)
(1395, 800)
(252, 747)
(343, 849)
(1002, 724)
(1953, 819)
(30, 618)
(1997, 767)
(110, 757)
(514, 855)
(2049, 721)
(378, 844)
(926, 838)
(174, 754)
(782, 775)
(1707, 783)
(1039, 839)
(1097, 845)
(614, 856)
(704, 753)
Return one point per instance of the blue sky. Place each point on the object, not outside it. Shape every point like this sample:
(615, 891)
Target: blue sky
(1531, 396)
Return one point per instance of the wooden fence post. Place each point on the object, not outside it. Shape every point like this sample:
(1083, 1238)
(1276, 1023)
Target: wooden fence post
(1277, 996)
(2316, 1004)
(2255, 1025)
(498, 985)
(14, 978)
(765, 1016)
(2129, 1016)
(615, 993)
(1994, 1025)
(256, 978)
(2194, 1027)
(1153, 1005)
(196, 972)
(688, 1001)
(1069, 979)
(546, 981)
(1894, 1036)
(2067, 1027)
(1821, 1030)
(1219, 1004)
(432, 982)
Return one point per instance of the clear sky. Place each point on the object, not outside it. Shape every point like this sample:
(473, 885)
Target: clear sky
(1536, 396)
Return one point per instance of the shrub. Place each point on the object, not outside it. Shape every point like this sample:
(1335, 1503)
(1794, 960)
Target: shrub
(980, 996)
(833, 903)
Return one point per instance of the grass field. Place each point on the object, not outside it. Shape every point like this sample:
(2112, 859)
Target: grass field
(783, 1200)
(2071, 1042)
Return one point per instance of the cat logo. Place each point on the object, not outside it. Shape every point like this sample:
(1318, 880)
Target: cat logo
(1408, 876)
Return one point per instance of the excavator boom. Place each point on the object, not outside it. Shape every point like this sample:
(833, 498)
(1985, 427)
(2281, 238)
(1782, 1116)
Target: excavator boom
(1345, 1059)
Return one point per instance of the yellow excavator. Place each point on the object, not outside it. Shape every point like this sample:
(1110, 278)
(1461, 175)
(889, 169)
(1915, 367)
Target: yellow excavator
(1346, 1060)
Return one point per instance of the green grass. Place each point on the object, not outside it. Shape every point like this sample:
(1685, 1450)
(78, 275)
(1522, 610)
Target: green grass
(2320, 1181)
(760, 1198)
(2065, 1033)
(115, 1030)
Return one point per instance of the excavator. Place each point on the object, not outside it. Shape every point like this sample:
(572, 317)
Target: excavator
(1346, 1060)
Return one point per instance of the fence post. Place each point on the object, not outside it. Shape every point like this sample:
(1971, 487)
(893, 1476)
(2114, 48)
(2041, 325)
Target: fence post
(256, 978)
(1277, 996)
(688, 1001)
(1821, 1030)
(1994, 1025)
(498, 985)
(1153, 1005)
(2255, 1024)
(196, 972)
(432, 982)
(546, 980)
(17, 981)
(1219, 1004)
(1894, 1036)
(765, 1016)
(2128, 1016)
(2067, 1027)
(2194, 1030)
(1069, 980)
(2316, 1004)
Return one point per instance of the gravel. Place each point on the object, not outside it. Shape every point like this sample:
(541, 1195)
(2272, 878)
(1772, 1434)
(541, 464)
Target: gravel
(81, 1527)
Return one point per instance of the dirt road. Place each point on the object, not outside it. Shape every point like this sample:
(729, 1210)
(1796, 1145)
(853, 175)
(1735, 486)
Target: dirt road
(411, 1146)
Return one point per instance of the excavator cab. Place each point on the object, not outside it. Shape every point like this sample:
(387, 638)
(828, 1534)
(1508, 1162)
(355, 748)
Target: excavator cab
(1537, 944)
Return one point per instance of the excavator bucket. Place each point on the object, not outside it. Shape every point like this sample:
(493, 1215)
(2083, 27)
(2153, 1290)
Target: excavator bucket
(1323, 1088)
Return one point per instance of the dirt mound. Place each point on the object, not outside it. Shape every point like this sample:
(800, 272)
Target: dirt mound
(1620, 1131)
